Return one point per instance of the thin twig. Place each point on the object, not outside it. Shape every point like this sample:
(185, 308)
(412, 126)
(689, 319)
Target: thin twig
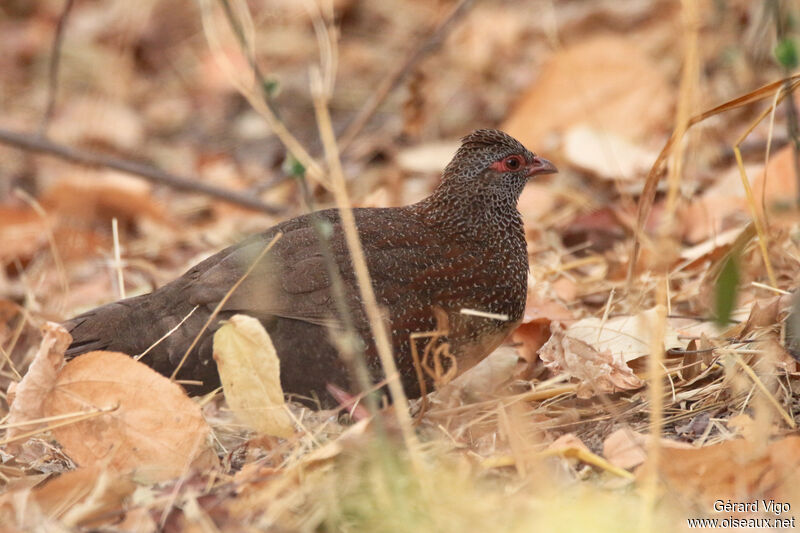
(289, 141)
(33, 143)
(376, 320)
(167, 334)
(222, 303)
(655, 361)
(79, 417)
(51, 239)
(249, 52)
(118, 258)
(394, 78)
(52, 70)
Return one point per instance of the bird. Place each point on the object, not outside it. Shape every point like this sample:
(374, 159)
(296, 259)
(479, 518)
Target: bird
(461, 248)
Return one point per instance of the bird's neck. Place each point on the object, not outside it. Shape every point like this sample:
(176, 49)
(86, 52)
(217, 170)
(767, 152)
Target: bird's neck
(475, 215)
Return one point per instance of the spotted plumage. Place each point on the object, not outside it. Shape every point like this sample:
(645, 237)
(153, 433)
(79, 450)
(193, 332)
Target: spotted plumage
(462, 247)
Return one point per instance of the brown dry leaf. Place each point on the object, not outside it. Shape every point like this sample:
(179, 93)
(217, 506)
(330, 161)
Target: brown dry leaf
(764, 314)
(780, 184)
(713, 247)
(77, 497)
(606, 155)
(595, 81)
(249, 370)
(568, 441)
(153, 427)
(101, 195)
(22, 232)
(710, 215)
(535, 328)
(627, 449)
(597, 371)
(98, 121)
(600, 228)
(736, 469)
(26, 396)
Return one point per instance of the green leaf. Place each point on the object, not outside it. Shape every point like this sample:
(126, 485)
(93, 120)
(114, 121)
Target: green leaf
(292, 167)
(726, 290)
(271, 86)
(786, 53)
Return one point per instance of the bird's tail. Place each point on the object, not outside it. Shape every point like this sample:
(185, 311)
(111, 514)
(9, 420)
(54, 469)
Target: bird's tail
(142, 324)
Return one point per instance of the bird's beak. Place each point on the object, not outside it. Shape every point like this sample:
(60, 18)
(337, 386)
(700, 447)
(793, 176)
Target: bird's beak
(540, 165)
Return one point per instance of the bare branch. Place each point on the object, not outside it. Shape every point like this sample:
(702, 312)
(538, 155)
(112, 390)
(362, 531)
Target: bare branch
(391, 81)
(52, 70)
(35, 143)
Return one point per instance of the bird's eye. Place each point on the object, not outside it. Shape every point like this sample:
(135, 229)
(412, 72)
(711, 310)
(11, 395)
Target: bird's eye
(513, 163)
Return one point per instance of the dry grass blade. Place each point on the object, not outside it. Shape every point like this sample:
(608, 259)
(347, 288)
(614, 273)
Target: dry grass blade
(222, 302)
(71, 419)
(376, 321)
(255, 97)
(654, 176)
(655, 361)
(117, 258)
(763, 390)
(167, 334)
(36, 206)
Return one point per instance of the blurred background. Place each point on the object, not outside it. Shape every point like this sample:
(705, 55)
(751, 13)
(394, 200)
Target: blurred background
(592, 85)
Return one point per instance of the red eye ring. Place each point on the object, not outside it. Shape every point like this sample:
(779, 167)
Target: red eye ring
(512, 163)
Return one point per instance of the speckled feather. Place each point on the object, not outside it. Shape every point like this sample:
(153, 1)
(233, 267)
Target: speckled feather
(462, 247)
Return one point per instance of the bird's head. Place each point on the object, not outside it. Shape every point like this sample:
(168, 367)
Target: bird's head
(492, 162)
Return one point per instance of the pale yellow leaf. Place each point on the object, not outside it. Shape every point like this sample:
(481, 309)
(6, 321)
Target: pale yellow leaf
(250, 373)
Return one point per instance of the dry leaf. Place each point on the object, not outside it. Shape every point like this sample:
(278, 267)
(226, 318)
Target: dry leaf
(153, 427)
(778, 185)
(249, 370)
(100, 121)
(534, 330)
(26, 397)
(79, 496)
(22, 232)
(627, 449)
(629, 337)
(600, 80)
(597, 371)
(101, 195)
(717, 210)
(606, 155)
(568, 441)
(764, 314)
(735, 469)
(481, 381)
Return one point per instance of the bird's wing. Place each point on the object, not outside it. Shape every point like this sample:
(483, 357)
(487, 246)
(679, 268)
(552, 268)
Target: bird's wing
(409, 268)
(291, 280)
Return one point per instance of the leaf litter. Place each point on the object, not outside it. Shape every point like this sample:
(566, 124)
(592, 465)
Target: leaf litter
(550, 427)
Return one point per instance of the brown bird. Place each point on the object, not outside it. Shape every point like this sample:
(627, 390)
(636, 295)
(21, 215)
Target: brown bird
(463, 247)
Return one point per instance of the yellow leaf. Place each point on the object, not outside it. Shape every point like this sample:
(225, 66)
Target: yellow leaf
(250, 373)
